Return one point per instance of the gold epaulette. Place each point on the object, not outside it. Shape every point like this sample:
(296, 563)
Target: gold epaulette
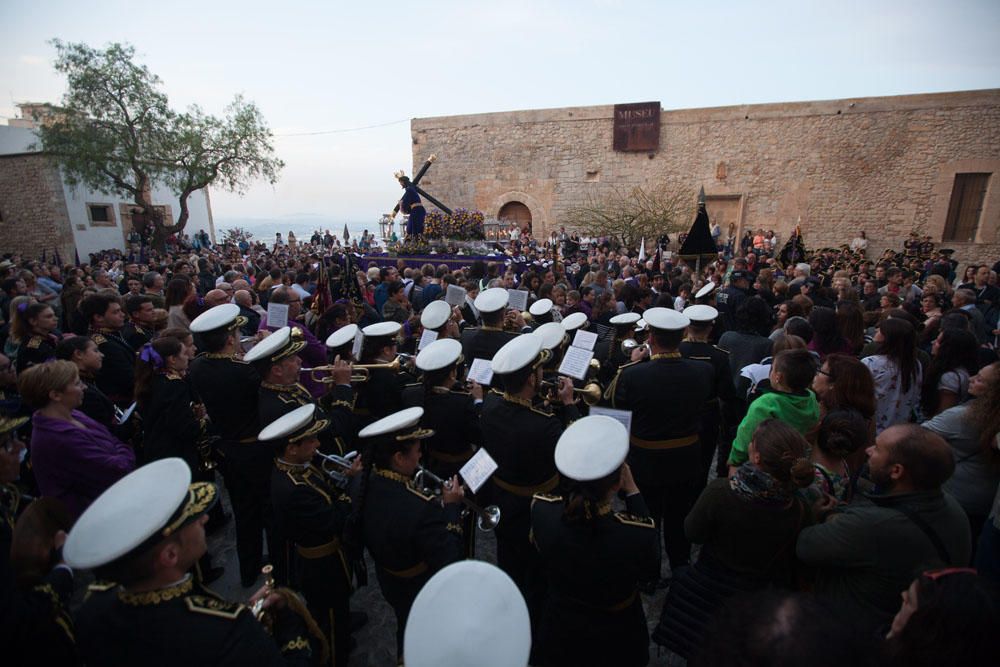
(34, 342)
(202, 604)
(98, 339)
(101, 586)
(420, 494)
(633, 520)
(546, 413)
(547, 498)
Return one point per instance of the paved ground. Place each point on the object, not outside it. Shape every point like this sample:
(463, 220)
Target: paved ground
(376, 642)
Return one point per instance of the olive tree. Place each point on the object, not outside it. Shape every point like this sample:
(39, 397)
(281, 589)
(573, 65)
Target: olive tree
(116, 133)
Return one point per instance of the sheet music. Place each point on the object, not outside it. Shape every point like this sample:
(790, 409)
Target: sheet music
(359, 338)
(576, 362)
(426, 338)
(481, 371)
(478, 469)
(517, 299)
(277, 315)
(455, 296)
(624, 416)
(584, 339)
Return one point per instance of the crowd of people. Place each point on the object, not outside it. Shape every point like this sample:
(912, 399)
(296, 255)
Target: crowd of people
(809, 461)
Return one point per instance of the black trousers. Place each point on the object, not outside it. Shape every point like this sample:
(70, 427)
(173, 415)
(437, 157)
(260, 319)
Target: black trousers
(708, 438)
(248, 479)
(670, 482)
(326, 584)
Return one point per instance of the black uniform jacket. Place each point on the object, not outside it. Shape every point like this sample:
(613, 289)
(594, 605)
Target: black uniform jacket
(117, 375)
(722, 386)
(169, 427)
(36, 350)
(667, 396)
(483, 342)
(592, 571)
(228, 388)
(183, 624)
(36, 627)
(454, 417)
(310, 512)
(522, 440)
(276, 400)
(408, 533)
(137, 336)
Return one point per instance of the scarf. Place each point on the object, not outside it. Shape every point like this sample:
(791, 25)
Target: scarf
(753, 484)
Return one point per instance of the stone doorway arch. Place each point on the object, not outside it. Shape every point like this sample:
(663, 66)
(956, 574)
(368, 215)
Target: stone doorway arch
(517, 213)
(538, 224)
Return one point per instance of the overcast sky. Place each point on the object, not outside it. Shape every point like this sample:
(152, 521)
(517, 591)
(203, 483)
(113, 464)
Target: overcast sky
(321, 66)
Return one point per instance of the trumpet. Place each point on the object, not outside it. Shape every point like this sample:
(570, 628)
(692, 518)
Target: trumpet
(630, 344)
(335, 466)
(257, 608)
(359, 372)
(488, 517)
(591, 392)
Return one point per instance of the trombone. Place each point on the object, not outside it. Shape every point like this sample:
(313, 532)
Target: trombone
(591, 392)
(489, 516)
(337, 466)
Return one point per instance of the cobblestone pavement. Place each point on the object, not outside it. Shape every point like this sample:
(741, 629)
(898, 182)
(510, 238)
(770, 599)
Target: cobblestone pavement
(376, 642)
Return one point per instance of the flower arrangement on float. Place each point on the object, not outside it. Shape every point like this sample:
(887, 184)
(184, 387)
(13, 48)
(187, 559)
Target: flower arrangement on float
(461, 225)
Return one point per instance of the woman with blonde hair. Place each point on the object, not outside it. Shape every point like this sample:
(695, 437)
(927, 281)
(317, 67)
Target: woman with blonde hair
(33, 326)
(74, 457)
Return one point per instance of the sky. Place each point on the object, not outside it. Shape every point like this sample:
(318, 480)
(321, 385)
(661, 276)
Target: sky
(338, 82)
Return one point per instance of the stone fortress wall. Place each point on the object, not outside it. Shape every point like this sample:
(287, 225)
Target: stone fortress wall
(886, 165)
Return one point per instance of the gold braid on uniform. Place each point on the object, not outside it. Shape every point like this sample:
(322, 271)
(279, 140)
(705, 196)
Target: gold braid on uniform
(295, 644)
(511, 398)
(296, 605)
(157, 596)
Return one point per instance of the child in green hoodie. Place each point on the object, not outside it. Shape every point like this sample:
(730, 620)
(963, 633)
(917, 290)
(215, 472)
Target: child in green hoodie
(791, 401)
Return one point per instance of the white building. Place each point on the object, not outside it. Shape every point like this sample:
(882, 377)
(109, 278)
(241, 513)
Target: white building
(40, 212)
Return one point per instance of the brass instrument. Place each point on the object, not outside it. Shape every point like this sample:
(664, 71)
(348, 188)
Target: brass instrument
(510, 321)
(359, 372)
(335, 466)
(488, 517)
(205, 444)
(591, 392)
(630, 344)
(257, 608)
(205, 448)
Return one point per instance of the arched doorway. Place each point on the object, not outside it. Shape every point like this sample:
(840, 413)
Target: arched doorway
(517, 213)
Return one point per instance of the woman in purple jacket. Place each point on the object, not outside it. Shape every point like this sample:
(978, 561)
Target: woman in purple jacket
(74, 457)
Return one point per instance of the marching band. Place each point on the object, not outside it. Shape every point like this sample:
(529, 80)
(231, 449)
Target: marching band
(375, 464)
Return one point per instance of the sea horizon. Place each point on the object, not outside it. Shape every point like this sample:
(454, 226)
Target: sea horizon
(264, 229)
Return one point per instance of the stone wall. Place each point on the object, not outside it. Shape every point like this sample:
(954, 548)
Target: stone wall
(33, 215)
(885, 165)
